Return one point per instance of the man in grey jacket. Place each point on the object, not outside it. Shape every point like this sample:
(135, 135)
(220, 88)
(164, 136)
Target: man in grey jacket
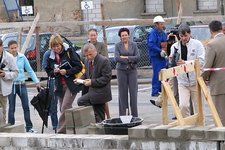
(97, 76)
(8, 72)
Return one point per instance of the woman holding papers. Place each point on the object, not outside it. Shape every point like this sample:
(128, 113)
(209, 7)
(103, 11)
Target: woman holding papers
(63, 63)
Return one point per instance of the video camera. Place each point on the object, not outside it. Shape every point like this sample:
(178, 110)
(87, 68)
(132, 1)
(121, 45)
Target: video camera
(175, 58)
(174, 31)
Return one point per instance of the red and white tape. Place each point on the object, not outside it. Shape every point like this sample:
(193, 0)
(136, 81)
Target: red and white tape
(212, 69)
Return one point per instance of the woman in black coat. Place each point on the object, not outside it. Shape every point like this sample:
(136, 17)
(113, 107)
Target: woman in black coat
(64, 75)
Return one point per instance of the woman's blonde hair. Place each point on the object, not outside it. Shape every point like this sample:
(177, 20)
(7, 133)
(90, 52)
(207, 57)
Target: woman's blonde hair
(55, 40)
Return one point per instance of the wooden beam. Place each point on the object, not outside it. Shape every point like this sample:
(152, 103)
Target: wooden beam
(109, 22)
(199, 94)
(188, 120)
(210, 102)
(164, 106)
(174, 103)
(175, 71)
(31, 31)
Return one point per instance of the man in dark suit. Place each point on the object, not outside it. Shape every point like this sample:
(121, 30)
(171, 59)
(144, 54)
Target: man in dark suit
(214, 58)
(97, 76)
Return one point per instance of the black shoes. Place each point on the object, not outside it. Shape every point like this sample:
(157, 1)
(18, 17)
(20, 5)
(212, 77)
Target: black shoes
(156, 95)
(174, 118)
(153, 103)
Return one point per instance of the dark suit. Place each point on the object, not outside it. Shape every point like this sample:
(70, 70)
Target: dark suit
(100, 90)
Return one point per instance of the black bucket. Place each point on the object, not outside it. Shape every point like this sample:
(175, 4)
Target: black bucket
(116, 127)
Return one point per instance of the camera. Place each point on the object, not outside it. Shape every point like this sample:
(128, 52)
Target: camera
(175, 58)
(174, 31)
(3, 65)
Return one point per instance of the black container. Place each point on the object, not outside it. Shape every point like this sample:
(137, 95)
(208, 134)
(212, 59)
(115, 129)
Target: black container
(116, 127)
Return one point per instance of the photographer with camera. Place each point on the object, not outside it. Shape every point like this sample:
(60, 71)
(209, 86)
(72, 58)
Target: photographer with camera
(189, 49)
(8, 72)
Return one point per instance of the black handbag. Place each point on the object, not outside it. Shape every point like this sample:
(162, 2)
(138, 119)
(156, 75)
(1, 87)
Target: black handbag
(133, 65)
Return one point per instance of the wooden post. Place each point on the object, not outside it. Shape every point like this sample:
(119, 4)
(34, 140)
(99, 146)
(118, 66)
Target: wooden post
(19, 38)
(103, 29)
(31, 31)
(199, 95)
(38, 59)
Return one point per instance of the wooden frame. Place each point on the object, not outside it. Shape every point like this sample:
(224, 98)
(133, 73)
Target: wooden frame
(197, 118)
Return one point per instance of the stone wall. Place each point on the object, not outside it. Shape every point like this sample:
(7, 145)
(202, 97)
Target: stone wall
(143, 137)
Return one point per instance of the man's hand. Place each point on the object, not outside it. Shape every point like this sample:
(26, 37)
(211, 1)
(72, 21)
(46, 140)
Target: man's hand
(87, 82)
(2, 73)
(180, 62)
(163, 53)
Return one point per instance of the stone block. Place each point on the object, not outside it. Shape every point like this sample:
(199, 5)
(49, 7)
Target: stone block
(83, 117)
(21, 140)
(70, 125)
(159, 132)
(197, 133)
(217, 133)
(96, 128)
(57, 141)
(2, 127)
(39, 140)
(16, 128)
(1, 117)
(5, 140)
(139, 132)
(178, 132)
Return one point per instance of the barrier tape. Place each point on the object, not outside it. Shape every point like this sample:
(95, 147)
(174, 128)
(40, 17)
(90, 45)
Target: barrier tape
(212, 69)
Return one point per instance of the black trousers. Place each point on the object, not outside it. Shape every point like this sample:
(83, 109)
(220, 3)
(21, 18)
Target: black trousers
(99, 109)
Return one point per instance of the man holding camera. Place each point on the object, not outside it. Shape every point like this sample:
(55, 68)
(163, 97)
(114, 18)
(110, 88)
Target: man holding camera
(8, 72)
(189, 49)
(156, 39)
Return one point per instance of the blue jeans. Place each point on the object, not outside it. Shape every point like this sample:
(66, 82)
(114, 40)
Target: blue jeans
(21, 90)
(53, 104)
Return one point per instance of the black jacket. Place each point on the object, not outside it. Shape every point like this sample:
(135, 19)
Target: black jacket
(74, 60)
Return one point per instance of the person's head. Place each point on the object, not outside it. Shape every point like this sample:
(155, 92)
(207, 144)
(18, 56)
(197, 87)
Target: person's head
(223, 27)
(159, 22)
(124, 34)
(89, 51)
(56, 43)
(184, 32)
(13, 47)
(215, 27)
(92, 35)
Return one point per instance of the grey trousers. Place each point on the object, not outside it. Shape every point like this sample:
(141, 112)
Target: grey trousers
(127, 81)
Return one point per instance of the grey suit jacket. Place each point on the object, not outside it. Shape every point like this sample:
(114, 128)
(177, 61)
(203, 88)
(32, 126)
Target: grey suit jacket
(133, 55)
(100, 89)
(214, 58)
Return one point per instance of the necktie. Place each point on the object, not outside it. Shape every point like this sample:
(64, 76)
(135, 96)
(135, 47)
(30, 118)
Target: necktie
(90, 67)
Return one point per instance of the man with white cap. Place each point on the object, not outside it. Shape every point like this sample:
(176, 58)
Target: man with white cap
(157, 56)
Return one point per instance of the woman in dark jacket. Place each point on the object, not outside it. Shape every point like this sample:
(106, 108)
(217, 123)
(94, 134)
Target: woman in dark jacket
(64, 75)
(127, 55)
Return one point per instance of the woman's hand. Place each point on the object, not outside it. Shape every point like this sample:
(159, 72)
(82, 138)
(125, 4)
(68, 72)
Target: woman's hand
(124, 57)
(62, 71)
